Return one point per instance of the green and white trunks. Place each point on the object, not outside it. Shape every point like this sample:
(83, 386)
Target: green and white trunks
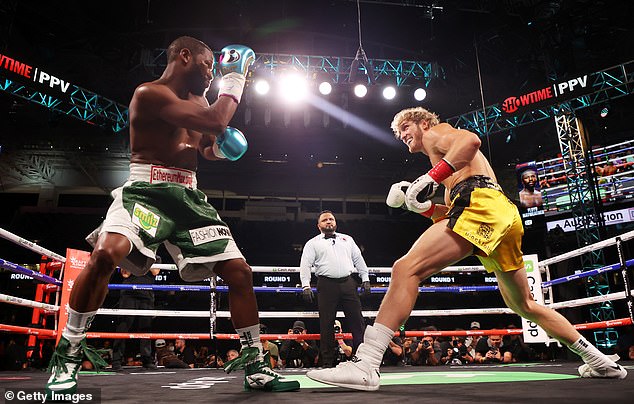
(162, 205)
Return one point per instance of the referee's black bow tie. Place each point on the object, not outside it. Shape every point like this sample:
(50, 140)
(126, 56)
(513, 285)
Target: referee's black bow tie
(330, 236)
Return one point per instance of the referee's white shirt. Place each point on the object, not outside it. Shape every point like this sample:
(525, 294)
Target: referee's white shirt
(331, 257)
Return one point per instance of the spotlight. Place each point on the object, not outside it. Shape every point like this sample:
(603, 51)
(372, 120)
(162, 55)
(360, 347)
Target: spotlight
(262, 87)
(325, 88)
(389, 93)
(360, 90)
(420, 94)
(604, 112)
(293, 87)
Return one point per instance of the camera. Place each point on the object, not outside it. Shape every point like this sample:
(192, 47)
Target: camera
(337, 329)
(296, 331)
(425, 343)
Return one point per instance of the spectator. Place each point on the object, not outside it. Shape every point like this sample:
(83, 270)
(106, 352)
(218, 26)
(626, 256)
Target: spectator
(344, 351)
(184, 352)
(492, 350)
(165, 356)
(298, 353)
(334, 256)
(420, 353)
(273, 350)
(393, 355)
(472, 340)
(232, 354)
(15, 355)
(455, 352)
(204, 359)
(520, 351)
(106, 351)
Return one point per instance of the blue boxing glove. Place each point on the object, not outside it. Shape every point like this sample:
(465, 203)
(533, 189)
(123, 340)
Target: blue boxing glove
(234, 64)
(231, 144)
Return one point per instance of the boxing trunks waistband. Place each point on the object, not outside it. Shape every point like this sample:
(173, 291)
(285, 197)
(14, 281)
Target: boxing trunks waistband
(339, 280)
(476, 181)
(156, 174)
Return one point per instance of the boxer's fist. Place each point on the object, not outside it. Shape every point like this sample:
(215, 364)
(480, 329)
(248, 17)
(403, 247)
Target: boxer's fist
(396, 196)
(231, 144)
(236, 59)
(419, 192)
(234, 63)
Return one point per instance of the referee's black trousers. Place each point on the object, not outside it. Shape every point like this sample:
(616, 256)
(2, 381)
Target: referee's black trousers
(332, 294)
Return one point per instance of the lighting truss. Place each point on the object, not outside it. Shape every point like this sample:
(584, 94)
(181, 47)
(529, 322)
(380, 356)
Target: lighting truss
(611, 83)
(81, 104)
(336, 68)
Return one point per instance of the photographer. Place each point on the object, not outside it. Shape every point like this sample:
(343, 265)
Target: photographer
(492, 350)
(420, 353)
(298, 353)
(344, 351)
(455, 352)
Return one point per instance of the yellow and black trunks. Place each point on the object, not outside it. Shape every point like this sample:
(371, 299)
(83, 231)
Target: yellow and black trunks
(483, 215)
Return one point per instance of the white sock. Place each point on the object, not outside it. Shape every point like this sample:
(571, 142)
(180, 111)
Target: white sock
(590, 354)
(76, 327)
(376, 339)
(250, 337)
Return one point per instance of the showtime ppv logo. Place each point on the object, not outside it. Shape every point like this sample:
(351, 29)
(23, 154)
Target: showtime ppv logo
(512, 104)
(32, 73)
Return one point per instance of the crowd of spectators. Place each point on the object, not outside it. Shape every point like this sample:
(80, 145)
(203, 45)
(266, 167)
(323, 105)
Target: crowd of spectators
(304, 353)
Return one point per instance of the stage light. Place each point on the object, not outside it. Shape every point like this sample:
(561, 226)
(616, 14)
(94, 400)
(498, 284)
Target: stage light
(293, 87)
(262, 87)
(420, 94)
(325, 88)
(604, 112)
(389, 92)
(360, 90)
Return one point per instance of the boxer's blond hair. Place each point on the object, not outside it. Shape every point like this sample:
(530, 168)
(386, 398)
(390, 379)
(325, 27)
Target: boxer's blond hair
(416, 115)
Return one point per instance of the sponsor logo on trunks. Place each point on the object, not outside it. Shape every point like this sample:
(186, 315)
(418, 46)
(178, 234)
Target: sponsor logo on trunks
(485, 231)
(171, 175)
(208, 234)
(145, 219)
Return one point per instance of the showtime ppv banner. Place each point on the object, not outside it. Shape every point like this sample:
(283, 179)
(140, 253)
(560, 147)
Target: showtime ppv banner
(611, 217)
(562, 90)
(23, 72)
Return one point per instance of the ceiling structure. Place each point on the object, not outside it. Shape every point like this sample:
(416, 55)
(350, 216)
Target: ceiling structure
(487, 50)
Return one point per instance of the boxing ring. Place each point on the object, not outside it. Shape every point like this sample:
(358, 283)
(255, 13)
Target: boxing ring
(52, 297)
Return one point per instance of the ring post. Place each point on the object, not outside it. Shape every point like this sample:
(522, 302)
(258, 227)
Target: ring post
(626, 280)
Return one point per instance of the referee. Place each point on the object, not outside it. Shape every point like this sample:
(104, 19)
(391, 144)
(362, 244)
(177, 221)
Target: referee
(334, 256)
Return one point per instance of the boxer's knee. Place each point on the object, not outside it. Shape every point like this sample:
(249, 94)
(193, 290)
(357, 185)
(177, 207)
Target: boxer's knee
(103, 261)
(237, 274)
(405, 268)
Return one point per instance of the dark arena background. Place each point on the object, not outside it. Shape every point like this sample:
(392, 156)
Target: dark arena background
(546, 85)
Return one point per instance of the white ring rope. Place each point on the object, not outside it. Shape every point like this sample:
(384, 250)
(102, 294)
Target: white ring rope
(18, 301)
(30, 245)
(582, 250)
(371, 314)
(286, 270)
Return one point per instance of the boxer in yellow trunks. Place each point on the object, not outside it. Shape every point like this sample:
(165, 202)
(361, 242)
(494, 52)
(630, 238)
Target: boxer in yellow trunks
(476, 218)
(481, 213)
